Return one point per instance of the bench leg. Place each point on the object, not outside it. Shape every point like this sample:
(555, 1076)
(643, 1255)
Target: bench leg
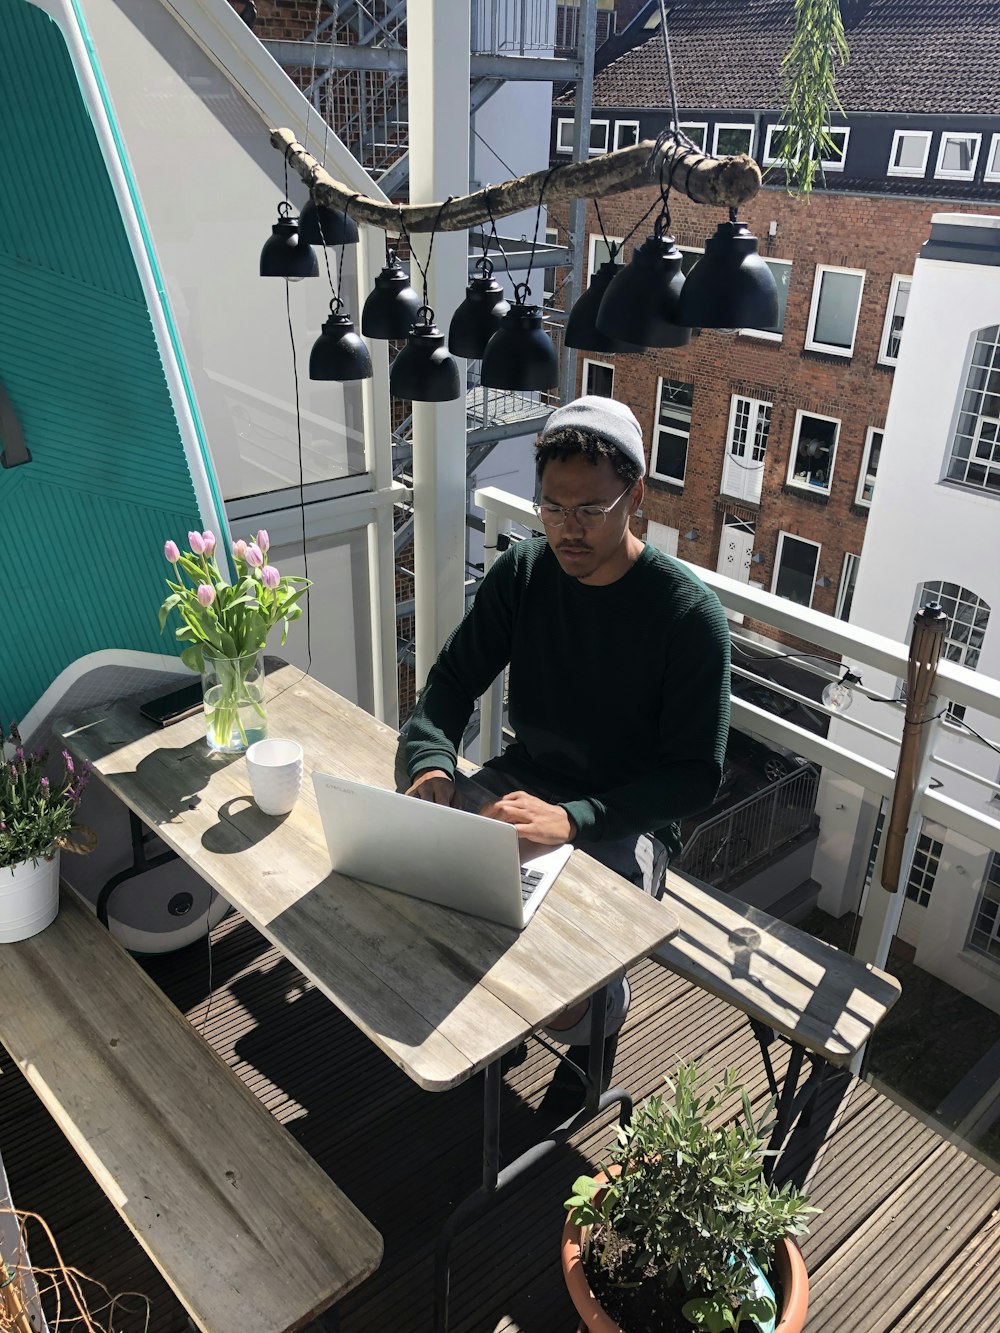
(140, 864)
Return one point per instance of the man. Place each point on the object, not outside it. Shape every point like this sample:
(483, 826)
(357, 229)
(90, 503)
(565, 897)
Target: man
(618, 685)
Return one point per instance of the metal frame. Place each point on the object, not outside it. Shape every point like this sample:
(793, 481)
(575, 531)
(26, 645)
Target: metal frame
(141, 836)
(791, 1101)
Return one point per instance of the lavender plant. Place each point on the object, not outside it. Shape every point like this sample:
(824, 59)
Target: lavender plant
(37, 813)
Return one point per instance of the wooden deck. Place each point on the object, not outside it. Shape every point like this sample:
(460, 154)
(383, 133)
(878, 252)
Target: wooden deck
(899, 1202)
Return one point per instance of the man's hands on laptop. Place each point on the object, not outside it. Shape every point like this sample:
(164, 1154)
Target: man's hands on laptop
(535, 820)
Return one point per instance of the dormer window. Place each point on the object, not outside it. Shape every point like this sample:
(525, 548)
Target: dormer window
(957, 156)
(909, 153)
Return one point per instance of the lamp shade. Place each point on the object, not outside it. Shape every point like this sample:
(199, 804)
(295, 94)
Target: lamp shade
(321, 225)
(581, 327)
(478, 317)
(642, 301)
(520, 355)
(285, 254)
(425, 371)
(391, 309)
(730, 287)
(338, 353)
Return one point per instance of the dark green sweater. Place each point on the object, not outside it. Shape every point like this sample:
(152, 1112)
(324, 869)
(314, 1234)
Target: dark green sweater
(618, 695)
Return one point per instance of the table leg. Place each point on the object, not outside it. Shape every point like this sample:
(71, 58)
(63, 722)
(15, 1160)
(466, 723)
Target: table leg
(140, 864)
(497, 1182)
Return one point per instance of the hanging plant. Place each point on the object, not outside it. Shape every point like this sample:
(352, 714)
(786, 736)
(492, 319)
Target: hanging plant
(808, 80)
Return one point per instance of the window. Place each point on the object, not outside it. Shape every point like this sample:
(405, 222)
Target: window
(975, 448)
(671, 430)
(895, 314)
(600, 253)
(598, 378)
(908, 156)
(814, 451)
(564, 136)
(662, 537)
(690, 254)
(696, 130)
(626, 133)
(923, 871)
(549, 274)
(598, 136)
(869, 466)
(848, 580)
(743, 469)
(992, 172)
(777, 147)
(775, 144)
(836, 304)
(985, 936)
(795, 568)
(968, 616)
(781, 271)
(835, 148)
(731, 139)
(957, 156)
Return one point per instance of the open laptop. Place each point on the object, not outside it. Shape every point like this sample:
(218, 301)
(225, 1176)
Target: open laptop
(451, 857)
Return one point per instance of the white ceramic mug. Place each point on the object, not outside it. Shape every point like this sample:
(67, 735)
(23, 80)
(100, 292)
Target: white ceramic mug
(275, 768)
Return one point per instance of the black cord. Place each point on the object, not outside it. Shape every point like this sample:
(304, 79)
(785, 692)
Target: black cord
(538, 217)
(430, 248)
(958, 722)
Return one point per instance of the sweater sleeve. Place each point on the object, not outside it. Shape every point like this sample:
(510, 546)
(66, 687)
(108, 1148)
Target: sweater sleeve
(471, 659)
(693, 730)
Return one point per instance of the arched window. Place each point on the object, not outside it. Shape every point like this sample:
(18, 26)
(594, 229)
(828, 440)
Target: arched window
(975, 447)
(968, 616)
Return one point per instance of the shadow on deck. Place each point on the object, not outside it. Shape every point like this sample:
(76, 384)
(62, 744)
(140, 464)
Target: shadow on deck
(900, 1204)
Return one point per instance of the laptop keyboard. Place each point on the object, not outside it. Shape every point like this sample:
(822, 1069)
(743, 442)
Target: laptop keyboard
(530, 880)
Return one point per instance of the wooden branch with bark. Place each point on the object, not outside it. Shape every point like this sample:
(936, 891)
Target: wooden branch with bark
(718, 182)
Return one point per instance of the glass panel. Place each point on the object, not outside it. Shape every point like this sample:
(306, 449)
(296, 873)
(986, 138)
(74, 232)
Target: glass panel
(626, 133)
(732, 139)
(781, 271)
(985, 935)
(896, 319)
(871, 467)
(814, 452)
(599, 379)
(833, 153)
(910, 152)
(696, 133)
(673, 429)
(958, 153)
(849, 580)
(837, 309)
(797, 570)
(598, 136)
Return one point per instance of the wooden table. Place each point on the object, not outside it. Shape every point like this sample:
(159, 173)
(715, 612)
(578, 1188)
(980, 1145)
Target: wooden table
(443, 994)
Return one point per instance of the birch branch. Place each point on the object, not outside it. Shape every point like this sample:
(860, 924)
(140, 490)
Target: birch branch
(718, 182)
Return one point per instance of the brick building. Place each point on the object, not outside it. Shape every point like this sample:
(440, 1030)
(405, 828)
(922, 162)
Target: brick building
(765, 444)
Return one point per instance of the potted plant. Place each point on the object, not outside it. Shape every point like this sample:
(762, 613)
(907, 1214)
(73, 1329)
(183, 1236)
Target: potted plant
(681, 1228)
(225, 626)
(37, 820)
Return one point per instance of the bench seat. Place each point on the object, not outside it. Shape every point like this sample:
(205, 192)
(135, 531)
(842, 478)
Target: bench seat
(245, 1227)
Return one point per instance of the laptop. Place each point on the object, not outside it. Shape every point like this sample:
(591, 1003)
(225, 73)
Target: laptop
(447, 856)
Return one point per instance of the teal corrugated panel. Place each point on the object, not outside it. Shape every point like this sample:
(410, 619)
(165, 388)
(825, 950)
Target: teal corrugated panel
(83, 524)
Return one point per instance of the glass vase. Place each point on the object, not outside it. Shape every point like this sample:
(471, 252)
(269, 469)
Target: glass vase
(235, 711)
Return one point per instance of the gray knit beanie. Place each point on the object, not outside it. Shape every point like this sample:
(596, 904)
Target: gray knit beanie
(610, 421)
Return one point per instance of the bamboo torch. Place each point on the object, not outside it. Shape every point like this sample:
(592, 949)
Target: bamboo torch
(16, 1314)
(925, 652)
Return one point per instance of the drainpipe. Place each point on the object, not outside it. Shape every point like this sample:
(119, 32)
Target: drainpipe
(573, 288)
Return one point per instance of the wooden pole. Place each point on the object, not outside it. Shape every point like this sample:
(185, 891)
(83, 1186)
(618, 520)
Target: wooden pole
(925, 653)
(15, 1312)
(723, 182)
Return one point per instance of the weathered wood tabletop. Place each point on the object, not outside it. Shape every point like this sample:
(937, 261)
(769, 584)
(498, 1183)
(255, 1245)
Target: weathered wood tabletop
(443, 994)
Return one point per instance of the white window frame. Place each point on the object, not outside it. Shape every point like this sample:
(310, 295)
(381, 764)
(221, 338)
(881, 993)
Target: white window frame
(592, 152)
(769, 157)
(551, 238)
(733, 125)
(604, 365)
(560, 147)
(659, 428)
(794, 536)
(592, 252)
(747, 466)
(688, 125)
(766, 334)
(863, 473)
(633, 124)
(970, 420)
(807, 486)
(811, 344)
(845, 581)
(991, 173)
(890, 310)
(939, 171)
(599, 152)
(832, 163)
(926, 135)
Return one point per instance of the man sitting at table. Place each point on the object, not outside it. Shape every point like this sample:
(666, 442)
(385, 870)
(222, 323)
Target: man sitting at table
(618, 682)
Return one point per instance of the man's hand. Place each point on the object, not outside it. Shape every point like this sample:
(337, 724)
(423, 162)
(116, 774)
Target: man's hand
(534, 819)
(435, 785)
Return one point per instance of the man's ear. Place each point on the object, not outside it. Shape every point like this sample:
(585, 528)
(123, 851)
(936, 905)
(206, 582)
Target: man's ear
(635, 501)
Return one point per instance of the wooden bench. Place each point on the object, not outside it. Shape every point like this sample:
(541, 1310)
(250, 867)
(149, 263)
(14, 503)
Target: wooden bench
(824, 1002)
(244, 1226)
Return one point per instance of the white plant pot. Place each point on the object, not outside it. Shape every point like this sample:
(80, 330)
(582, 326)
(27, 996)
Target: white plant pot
(29, 898)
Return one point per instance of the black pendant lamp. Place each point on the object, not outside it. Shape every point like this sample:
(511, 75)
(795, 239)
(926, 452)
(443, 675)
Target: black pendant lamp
(338, 353)
(285, 254)
(642, 302)
(581, 327)
(392, 308)
(479, 316)
(730, 287)
(425, 371)
(520, 355)
(319, 224)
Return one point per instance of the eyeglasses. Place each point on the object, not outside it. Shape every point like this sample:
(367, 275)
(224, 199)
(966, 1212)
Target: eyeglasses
(588, 516)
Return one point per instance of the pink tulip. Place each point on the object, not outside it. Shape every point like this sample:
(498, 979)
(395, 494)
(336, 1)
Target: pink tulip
(240, 550)
(205, 594)
(263, 540)
(209, 539)
(270, 577)
(197, 543)
(171, 552)
(254, 557)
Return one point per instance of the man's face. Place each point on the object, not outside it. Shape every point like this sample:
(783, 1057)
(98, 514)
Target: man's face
(593, 555)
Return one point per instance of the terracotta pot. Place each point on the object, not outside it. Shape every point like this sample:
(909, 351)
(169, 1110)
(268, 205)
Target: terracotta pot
(788, 1263)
